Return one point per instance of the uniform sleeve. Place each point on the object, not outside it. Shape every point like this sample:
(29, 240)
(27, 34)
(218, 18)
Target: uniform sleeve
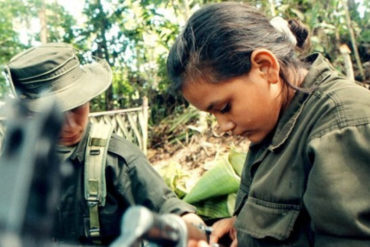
(150, 190)
(140, 184)
(337, 196)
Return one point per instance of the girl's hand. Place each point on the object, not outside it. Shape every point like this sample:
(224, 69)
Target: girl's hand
(223, 227)
(220, 229)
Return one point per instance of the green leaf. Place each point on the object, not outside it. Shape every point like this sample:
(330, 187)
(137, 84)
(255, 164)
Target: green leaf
(221, 179)
(231, 199)
(174, 177)
(217, 207)
(212, 208)
(237, 160)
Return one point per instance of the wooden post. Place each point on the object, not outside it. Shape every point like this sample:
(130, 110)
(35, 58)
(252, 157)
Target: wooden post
(347, 61)
(145, 126)
(272, 8)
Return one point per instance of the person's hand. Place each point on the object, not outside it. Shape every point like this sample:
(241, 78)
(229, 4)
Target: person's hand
(194, 226)
(223, 227)
(194, 243)
(192, 219)
(220, 229)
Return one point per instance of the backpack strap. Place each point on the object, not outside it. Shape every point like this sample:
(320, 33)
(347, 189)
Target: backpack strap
(94, 174)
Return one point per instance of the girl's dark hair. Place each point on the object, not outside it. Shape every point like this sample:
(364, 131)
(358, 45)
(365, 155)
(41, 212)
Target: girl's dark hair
(218, 40)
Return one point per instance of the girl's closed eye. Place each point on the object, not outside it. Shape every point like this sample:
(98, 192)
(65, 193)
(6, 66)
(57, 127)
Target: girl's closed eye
(226, 108)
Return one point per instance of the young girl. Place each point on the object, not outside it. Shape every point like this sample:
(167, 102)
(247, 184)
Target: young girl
(306, 178)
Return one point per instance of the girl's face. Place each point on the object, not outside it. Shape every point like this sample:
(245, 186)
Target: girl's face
(247, 105)
(75, 122)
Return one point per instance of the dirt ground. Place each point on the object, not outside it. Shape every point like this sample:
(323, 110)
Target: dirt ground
(194, 155)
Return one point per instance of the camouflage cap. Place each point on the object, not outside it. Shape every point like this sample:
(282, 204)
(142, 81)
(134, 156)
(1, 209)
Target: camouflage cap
(54, 71)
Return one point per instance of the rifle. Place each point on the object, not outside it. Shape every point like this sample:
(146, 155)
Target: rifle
(29, 175)
(139, 224)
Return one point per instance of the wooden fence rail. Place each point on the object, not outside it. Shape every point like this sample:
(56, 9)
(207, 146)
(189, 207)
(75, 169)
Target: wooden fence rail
(132, 124)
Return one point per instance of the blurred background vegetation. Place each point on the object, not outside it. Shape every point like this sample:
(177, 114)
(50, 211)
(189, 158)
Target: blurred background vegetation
(135, 37)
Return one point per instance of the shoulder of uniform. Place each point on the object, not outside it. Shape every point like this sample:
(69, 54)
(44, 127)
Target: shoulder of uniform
(123, 148)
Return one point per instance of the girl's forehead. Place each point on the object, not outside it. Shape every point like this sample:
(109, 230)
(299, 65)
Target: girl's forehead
(205, 95)
(200, 85)
(198, 94)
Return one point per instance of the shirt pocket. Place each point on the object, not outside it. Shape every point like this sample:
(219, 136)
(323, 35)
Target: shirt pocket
(261, 219)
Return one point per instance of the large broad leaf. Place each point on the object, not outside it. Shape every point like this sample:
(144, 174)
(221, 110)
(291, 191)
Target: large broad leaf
(217, 207)
(237, 160)
(231, 199)
(219, 180)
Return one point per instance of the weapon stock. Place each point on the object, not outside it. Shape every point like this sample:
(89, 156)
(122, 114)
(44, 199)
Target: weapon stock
(29, 176)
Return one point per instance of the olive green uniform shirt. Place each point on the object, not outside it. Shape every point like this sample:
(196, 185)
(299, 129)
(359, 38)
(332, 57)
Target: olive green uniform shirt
(130, 180)
(308, 183)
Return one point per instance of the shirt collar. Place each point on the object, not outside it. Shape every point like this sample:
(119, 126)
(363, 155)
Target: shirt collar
(79, 152)
(319, 70)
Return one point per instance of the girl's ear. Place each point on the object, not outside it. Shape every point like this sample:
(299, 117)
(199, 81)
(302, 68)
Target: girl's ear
(267, 63)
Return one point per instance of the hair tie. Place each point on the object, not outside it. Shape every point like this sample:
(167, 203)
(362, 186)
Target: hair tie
(282, 26)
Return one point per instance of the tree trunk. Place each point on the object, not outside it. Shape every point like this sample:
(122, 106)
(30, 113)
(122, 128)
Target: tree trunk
(353, 39)
(104, 46)
(347, 61)
(43, 21)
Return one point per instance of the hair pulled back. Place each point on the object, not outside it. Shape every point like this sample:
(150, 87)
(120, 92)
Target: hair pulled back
(218, 40)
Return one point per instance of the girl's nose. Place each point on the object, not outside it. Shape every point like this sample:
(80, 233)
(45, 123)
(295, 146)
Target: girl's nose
(225, 123)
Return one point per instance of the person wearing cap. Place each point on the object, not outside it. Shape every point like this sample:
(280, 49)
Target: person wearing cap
(54, 71)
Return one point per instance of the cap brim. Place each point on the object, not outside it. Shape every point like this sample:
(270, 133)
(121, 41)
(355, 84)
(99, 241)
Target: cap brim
(94, 80)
